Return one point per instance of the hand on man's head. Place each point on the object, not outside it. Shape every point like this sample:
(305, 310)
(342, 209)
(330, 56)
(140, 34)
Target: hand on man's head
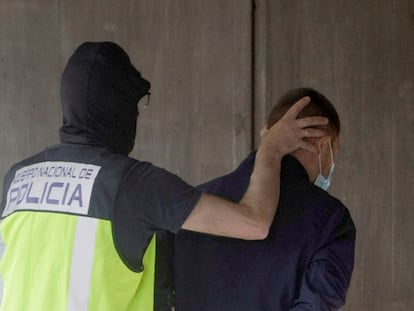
(287, 134)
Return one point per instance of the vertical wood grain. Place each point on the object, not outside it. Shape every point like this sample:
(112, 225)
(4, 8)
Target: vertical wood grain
(29, 72)
(197, 55)
(402, 150)
(359, 54)
(199, 119)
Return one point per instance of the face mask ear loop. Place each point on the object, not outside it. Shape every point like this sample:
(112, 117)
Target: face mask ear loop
(320, 164)
(332, 162)
(330, 148)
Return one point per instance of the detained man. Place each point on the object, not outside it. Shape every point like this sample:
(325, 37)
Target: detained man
(307, 259)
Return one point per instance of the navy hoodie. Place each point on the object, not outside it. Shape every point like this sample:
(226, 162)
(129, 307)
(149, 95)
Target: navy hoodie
(305, 263)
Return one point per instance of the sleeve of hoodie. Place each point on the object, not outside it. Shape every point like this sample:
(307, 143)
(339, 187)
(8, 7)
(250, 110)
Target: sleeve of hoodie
(326, 279)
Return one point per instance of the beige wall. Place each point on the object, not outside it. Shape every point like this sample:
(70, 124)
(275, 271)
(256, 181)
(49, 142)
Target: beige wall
(216, 68)
(361, 55)
(197, 55)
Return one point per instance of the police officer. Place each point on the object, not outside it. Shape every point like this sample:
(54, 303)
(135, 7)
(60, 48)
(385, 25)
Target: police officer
(80, 218)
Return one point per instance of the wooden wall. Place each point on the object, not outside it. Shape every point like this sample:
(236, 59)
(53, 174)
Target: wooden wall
(197, 55)
(361, 55)
(216, 69)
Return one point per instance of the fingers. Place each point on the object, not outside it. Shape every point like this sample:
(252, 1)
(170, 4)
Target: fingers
(288, 133)
(312, 121)
(297, 107)
(308, 146)
(312, 132)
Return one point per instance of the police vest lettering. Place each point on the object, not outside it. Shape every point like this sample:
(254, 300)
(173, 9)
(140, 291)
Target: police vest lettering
(52, 186)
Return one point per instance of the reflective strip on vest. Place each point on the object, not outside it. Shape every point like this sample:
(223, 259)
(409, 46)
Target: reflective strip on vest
(66, 262)
(82, 264)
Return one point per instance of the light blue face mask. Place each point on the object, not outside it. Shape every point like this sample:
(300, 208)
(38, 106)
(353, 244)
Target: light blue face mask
(321, 181)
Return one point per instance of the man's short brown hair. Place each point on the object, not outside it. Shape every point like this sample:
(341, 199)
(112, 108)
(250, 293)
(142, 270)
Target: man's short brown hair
(319, 106)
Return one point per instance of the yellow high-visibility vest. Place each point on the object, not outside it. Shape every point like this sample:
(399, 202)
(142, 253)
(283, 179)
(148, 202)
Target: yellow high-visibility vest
(87, 274)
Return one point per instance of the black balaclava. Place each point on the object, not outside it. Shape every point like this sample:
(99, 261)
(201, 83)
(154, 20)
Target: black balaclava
(100, 90)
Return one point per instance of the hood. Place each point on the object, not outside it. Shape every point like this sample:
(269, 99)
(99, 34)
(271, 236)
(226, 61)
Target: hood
(100, 90)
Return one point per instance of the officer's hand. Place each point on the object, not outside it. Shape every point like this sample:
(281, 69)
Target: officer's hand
(287, 134)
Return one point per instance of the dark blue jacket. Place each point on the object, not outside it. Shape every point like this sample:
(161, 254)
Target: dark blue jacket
(305, 263)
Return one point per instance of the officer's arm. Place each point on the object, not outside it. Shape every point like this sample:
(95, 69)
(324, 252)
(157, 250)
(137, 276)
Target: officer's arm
(251, 218)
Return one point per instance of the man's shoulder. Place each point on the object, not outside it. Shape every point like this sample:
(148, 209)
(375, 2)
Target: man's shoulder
(329, 198)
(310, 198)
(232, 185)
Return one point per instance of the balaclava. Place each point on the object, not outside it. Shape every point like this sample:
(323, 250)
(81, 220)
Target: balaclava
(100, 90)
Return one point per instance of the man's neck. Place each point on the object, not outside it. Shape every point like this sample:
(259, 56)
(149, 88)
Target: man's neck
(308, 160)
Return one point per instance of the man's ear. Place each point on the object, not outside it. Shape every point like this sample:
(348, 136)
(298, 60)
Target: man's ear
(322, 143)
(263, 131)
